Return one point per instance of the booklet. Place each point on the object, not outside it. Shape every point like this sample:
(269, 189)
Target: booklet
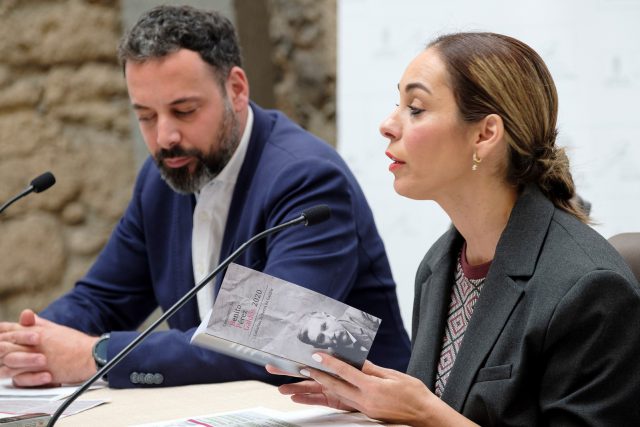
(266, 320)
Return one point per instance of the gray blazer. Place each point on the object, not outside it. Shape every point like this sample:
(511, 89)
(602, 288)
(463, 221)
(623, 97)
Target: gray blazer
(555, 336)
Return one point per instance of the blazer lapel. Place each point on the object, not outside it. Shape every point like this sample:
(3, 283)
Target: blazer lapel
(431, 315)
(516, 256)
(484, 328)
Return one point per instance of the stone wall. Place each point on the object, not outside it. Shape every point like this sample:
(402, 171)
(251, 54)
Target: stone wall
(303, 33)
(64, 108)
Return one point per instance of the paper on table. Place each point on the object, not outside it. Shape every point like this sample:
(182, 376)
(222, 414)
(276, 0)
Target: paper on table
(10, 408)
(315, 417)
(18, 401)
(9, 392)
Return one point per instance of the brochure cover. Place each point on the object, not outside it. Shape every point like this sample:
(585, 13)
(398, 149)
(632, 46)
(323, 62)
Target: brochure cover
(263, 319)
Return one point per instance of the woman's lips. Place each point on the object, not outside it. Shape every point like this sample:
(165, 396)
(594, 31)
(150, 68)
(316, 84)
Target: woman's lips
(177, 162)
(396, 162)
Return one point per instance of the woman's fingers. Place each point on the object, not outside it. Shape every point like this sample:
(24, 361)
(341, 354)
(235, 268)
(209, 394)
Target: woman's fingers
(277, 371)
(304, 387)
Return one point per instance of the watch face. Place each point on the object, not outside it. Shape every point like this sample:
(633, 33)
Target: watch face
(100, 351)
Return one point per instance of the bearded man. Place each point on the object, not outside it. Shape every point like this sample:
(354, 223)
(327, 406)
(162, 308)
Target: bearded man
(221, 170)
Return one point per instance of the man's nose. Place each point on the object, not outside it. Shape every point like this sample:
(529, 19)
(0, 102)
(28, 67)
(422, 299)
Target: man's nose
(168, 133)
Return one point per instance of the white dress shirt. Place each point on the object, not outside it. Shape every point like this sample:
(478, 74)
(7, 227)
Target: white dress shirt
(210, 219)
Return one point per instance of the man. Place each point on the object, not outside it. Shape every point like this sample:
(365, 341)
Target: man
(350, 336)
(221, 170)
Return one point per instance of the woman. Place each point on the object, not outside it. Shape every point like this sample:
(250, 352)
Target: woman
(548, 311)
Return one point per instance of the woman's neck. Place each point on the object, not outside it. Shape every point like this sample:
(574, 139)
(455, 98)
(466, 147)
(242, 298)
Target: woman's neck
(481, 216)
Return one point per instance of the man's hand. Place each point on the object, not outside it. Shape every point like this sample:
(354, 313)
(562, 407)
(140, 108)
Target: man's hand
(36, 352)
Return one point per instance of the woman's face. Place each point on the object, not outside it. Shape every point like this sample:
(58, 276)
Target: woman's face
(431, 148)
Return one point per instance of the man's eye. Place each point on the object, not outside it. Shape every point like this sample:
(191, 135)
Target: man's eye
(145, 118)
(184, 113)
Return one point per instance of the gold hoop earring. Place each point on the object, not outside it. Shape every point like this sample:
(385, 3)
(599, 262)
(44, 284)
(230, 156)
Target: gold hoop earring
(476, 162)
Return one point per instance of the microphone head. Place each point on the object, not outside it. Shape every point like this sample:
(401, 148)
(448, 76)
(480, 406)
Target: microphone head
(42, 182)
(316, 214)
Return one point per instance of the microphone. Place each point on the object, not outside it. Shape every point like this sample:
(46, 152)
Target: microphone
(316, 215)
(38, 185)
(309, 217)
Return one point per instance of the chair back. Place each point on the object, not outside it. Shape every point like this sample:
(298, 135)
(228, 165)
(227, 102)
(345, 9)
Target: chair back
(628, 245)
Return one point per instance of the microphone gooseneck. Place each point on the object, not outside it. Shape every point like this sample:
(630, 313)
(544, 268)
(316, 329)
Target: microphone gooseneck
(38, 185)
(311, 216)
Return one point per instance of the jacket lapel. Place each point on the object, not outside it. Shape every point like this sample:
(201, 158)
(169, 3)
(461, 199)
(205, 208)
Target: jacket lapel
(515, 259)
(486, 323)
(430, 316)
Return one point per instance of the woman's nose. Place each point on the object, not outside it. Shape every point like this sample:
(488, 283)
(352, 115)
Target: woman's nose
(389, 128)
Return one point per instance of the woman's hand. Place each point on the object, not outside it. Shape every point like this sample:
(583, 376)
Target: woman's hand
(377, 392)
(308, 392)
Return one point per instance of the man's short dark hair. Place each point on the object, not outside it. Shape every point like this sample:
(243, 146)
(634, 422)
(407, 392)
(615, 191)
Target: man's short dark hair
(167, 29)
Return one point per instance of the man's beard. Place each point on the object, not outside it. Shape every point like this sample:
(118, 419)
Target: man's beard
(208, 165)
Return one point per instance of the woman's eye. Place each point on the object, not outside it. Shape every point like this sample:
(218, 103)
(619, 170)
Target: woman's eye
(414, 111)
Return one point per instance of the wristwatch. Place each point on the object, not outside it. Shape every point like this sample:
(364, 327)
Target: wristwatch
(100, 350)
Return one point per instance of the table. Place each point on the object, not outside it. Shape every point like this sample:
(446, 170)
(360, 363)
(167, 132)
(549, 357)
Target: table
(137, 406)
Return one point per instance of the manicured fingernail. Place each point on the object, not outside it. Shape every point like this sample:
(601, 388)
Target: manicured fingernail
(316, 357)
(304, 372)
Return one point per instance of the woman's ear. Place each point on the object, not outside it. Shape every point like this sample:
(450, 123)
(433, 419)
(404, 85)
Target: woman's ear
(489, 135)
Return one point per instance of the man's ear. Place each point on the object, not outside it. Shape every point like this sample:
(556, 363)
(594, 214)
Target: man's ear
(237, 86)
(488, 135)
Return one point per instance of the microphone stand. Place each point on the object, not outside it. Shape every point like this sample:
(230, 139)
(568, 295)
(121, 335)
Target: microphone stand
(38, 185)
(182, 301)
(24, 192)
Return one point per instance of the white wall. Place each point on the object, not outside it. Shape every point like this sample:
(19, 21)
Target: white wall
(593, 51)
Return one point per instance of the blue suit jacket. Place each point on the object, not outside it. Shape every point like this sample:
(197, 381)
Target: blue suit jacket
(147, 261)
